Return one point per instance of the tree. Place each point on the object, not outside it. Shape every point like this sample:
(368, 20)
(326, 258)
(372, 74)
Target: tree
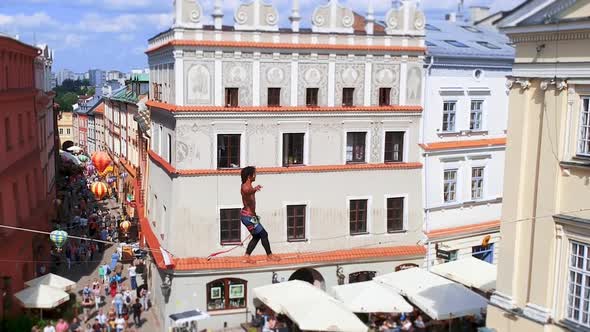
(66, 101)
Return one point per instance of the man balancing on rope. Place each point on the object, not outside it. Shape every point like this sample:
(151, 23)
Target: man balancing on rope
(248, 215)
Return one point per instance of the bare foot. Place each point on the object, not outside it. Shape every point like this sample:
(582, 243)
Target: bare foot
(249, 260)
(272, 257)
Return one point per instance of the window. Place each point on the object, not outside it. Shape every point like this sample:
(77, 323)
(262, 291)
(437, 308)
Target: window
(293, 145)
(453, 255)
(358, 216)
(430, 44)
(471, 29)
(361, 276)
(584, 138)
(431, 27)
(68, 131)
(311, 96)
(230, 226)
(225, 294)
(274, 97)
(450, 185)
(21, 132)
(485, 253)
(384, 96)
(231, 97)
(395, 214)
(477, 183)
(579, 284)
(228, 151)
(475, 115)
(449, 109)
(456, 43)
(355, 147)
(348, 97)
(394, 146)
(7, 134)
(169, 154)
(295, 222)
(61, 131)
(488, 45)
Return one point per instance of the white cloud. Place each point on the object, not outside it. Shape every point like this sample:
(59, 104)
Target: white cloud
(24, 21)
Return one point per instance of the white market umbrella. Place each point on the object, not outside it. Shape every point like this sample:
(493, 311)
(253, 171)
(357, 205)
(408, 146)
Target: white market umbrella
(75, 149)
(52, 280)
(371, 297)
(469, 271)
(188, 316)
(438, 297)
(42, 297)
(309, 307)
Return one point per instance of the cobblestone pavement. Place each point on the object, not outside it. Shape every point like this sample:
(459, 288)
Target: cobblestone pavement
(85, 273)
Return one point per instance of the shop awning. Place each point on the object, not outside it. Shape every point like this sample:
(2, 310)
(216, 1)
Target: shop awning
(188, 316)
(438, 297)
(371, 297)
(42, 297)
(309, 307)
(469, 271)
(52, 280)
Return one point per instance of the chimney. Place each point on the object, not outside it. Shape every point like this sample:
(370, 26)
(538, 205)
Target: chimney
(477, 13)
(451, 17)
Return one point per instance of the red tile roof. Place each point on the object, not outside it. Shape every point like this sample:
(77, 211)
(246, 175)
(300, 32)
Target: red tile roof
(336, 256)
(463, 144)
(99, 109)
(300, 46)
(280, 170)
(465, 229)
(275, 109)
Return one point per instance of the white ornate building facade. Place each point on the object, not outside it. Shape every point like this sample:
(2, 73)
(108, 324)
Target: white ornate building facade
(331, 118)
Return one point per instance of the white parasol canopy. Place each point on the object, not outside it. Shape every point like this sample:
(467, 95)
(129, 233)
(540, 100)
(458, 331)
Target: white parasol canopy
(371, 297)
(42, 297)
(188, 316)
(309, 307)
(469, 271)
(438, 297)
(54, 281)
(75, 149)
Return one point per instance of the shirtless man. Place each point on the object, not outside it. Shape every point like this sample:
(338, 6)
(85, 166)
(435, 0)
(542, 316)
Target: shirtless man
(248, 214)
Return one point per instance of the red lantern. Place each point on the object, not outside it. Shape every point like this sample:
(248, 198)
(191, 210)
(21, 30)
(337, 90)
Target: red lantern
(101, 160)
(99, 189)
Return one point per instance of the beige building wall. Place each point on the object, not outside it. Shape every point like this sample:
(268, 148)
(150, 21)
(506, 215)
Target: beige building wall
(545, 211)
(65, 125)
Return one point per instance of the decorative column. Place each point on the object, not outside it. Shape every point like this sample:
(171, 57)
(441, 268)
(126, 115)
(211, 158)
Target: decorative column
(218, 14)
(295, 18)
(370, 26)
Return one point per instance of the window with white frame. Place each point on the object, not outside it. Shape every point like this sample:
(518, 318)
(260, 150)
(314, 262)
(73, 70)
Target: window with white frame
(584, 136)
(355, 147)
(477, 182)
(475, 119)
(450, 185)
(578, 290)
(449, 112)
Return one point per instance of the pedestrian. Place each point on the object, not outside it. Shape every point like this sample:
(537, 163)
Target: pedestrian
(113, 287)
(107, 271)
(75, 326)
(118, 302)
(132, 276)
(102, 318)
(120, 324)
(96, 292)
(136, 309)
(49, 327)
(96, 327)
(69, 256)
(86, 292)
(101, 273)
(144, 298)
(114, 259)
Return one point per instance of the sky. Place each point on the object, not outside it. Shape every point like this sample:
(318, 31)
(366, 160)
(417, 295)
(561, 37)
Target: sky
(113, 34)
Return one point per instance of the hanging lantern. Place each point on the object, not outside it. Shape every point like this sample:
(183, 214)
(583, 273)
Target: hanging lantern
(99, 189)
(125, 226)
(59, 238)
(101, 161)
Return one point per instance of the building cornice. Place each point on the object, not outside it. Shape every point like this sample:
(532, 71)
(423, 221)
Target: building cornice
(463, 144)
(287, 46)
(550, 35)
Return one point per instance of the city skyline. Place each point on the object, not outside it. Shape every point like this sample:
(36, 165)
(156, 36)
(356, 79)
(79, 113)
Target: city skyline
(78, 30)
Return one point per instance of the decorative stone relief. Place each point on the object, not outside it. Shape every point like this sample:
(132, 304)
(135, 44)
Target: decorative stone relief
(256, 15)
(332, 17)
(393, 20)
(385, 75)
(414, 85)
(238, 74)
(350, 76)
(376, 140)
(405, 18)
(199, 83)
(275, 75)
(313, 75)
(188, 14)
(187, 149)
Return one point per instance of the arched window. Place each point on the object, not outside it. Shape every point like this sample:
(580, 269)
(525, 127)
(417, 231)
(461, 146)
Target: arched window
(225, 294)
(361, 276)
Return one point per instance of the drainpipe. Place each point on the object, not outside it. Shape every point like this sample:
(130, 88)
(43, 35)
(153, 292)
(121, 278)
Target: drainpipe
(424, 115)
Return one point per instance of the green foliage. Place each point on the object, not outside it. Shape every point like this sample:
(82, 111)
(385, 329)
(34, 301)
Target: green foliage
(66, 100)
(68, 92)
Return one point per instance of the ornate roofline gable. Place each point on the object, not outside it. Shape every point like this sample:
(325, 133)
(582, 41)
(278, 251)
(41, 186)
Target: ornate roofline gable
(188, 14)
(256, 15)
(332, 17)
(406, 18)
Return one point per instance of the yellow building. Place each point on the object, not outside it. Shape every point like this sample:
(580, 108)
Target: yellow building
(65, 125)
(544, 266)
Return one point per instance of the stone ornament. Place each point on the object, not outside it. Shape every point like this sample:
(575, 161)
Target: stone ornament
(312, 76)
(199, 84)
(256, 15)
(350, 76)
(188, 14)
(406, 18)
(385, 76)
(419, 20)
(332, 17)
(275, 75)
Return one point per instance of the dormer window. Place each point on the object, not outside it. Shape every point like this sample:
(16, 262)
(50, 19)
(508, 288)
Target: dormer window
(456, 43)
